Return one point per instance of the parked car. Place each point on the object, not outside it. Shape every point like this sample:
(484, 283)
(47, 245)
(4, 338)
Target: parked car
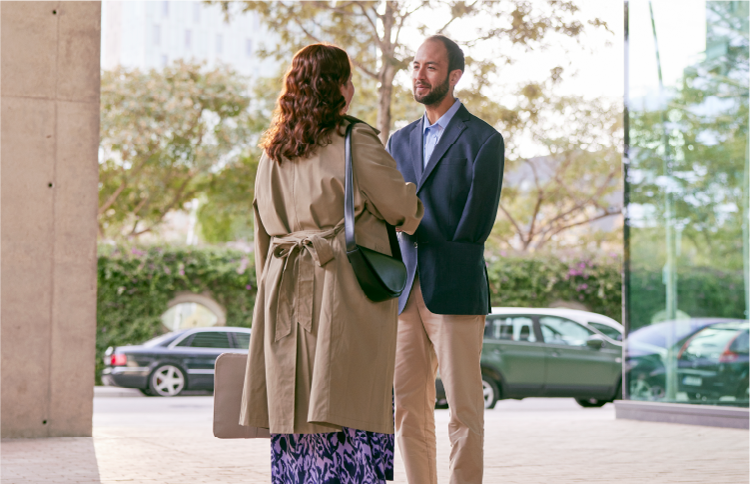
(540, 352)
(647, 350)
(171, 363)
(713, 363)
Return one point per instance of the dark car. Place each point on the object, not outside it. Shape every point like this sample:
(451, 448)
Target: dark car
(547, 353)
(169, 364)
(647, 349)
(713, 363)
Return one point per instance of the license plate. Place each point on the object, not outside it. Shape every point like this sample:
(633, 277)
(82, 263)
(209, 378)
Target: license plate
(693, 381)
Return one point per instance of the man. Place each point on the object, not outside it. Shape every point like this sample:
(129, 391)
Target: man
(456, 161)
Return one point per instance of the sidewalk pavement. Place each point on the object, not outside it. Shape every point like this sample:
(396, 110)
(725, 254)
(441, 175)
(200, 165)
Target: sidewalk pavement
(169, 441)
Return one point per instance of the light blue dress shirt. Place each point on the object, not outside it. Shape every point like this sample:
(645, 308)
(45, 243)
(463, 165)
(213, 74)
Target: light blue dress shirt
(431, 134)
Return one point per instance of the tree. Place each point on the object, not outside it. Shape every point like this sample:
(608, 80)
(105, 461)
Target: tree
(692, 153)
(226, 211)
(575, 179)
(372, 32)
(161, 131)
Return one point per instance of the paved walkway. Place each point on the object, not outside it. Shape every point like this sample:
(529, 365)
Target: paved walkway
(169, 441)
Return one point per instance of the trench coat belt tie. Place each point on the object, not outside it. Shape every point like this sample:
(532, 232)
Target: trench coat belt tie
(300, 251)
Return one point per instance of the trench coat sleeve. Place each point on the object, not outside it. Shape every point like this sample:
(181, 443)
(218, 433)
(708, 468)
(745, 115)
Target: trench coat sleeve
(387, 195)
(261, 243)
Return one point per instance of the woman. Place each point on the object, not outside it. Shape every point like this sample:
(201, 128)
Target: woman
(320, 368)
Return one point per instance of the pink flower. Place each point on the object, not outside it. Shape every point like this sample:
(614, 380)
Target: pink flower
(137, 252)
(243, 265)
(249, 287)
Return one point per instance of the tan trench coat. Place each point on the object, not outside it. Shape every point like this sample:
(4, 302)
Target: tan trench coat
(321, 354)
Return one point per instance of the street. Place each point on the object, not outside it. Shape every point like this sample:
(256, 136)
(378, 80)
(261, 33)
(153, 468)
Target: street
(169, 440)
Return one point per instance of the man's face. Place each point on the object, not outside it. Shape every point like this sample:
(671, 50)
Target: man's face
(430, 80)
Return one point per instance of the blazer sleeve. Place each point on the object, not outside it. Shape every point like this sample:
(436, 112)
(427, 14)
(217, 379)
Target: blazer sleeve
(482, 202)
(261, 243)
(387, 195)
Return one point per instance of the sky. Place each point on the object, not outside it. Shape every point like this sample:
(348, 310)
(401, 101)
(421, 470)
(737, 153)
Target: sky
(593, 64)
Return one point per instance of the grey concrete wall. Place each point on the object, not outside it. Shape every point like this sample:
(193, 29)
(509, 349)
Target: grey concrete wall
(49, 136)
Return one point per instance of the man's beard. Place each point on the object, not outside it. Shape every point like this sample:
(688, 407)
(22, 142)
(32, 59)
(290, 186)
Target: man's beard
(435, 95)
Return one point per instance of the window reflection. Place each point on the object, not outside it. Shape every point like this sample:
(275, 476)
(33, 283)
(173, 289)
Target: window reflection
(687, 179)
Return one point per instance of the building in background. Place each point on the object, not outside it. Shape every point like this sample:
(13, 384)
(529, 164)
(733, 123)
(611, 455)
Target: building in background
(147, 34)
(687, 291)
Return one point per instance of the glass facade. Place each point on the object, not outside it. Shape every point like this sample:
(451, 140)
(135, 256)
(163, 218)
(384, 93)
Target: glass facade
(686, 281)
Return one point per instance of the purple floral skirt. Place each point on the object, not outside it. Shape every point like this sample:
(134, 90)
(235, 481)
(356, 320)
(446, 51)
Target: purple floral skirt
(347, 457)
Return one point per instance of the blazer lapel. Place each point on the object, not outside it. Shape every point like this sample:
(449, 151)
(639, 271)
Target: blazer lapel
(452, 132)
(417, 147)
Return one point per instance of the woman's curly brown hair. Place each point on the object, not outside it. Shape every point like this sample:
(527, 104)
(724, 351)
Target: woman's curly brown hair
(309, 107)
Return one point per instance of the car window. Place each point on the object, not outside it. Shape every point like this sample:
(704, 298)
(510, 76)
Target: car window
(741, 344)
(186, 341)
(560, 331)
(708, 343)
(607, 330)
(210, 339)
(162, 340)
(510, 328)
(242, 340)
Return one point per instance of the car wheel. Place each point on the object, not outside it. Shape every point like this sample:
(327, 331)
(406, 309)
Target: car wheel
(167, 381)
(643, 389)
(490, 392)
(590, 402)
(146, 392)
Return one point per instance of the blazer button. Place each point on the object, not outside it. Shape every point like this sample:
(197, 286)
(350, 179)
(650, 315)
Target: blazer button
(416, 245)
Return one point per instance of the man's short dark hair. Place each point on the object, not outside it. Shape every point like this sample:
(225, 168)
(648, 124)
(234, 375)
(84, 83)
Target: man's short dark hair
(455, 54)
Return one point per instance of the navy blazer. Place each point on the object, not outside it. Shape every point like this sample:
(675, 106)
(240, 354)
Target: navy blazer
(460, 190)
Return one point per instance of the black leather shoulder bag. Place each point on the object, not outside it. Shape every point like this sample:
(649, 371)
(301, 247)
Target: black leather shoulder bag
(380, 276)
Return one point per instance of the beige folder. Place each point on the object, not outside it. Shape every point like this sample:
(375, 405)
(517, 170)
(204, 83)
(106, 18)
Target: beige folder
(229, 377)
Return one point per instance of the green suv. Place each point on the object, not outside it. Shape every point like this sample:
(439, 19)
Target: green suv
(549, 353)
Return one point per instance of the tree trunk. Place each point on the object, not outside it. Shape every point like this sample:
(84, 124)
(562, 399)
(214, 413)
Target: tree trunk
(386, 75)
(385, 92)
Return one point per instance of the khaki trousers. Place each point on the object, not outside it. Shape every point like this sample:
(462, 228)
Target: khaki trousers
(452, 343)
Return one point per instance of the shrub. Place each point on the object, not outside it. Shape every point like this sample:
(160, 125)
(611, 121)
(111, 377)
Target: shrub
(538, 281)
(135, 285)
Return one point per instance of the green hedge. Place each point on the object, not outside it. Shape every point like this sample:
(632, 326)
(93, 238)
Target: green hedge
(701, 292)
(542, 280)
(135, 284)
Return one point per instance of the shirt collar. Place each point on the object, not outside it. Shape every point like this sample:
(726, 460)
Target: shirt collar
(444, 119)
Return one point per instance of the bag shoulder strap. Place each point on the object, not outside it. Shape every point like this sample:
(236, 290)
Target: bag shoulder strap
(351, 243)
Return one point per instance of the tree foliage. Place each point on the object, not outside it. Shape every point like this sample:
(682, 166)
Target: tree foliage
(161, 131)
(373, 33)
(692, 149)
(575, 180)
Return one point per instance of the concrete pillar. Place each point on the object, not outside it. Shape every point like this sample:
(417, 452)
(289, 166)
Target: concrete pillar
(49, 129)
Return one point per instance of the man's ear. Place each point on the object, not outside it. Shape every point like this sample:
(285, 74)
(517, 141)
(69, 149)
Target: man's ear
(455, 76)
